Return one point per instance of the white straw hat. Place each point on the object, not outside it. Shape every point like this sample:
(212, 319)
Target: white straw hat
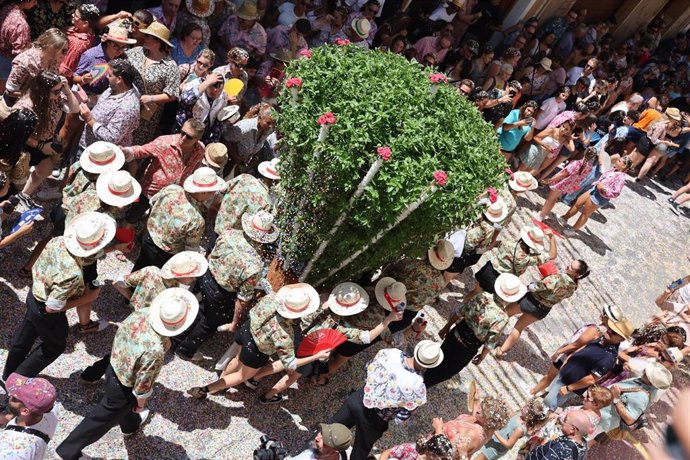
(269, 169)
(497, 211)
(390, 293)
(441, 255)
(534, 238)
(118, 188)
(185, 264)
(297, 300)
(523, 181)
(259, 227)
(101, 157)
(428, 354)
(173, 311)
(509, 287)
(88, 233)
(204, 180)
(658, 375)
(229, 113)
(361, 26)
(348, 299)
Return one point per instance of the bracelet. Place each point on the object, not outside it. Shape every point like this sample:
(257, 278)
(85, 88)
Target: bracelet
(567, 388)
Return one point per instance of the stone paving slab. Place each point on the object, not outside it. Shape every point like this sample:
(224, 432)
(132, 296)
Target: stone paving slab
(634, 249)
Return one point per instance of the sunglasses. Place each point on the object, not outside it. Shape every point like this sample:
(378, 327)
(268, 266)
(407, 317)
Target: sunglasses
(138, 24)
(119, 47)
(203, 64)
(239, 66)
(186, 135)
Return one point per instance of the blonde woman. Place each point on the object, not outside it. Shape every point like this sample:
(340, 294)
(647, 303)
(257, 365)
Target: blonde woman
(46, 53)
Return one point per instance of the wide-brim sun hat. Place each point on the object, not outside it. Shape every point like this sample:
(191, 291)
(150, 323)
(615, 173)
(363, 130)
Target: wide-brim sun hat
(428, 354)
(624, 327)
(546, 64)
(269, 169)
(660, 377)
(297, 300)
(101, 157)
(204, 180)
(534, 237)
(673, 113)
(216, 155)
(497, 211)
(118, 188)
(118, 35)
(173, 311)
(389, 293)
(229, 113)
(88, 233)
(361, 26)
(185, 264)
(441, 255)
(158, 30)
(612, 312)
(259, 227)
(201, 8)
(248, 11)
(283, 55)
(509, 287)
(348, 299)
(523, 181)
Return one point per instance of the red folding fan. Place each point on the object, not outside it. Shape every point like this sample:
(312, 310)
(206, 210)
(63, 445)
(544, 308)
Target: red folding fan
(549, 268)
(323, 339)
(543, 226)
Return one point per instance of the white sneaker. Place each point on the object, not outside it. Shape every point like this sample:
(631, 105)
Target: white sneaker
(58, 173)
(536, 216)
(49, 193)
(560, 219)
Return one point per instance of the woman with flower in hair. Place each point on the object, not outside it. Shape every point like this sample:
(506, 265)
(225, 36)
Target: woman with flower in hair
(437, 447)
(469, 433)
(521, 425)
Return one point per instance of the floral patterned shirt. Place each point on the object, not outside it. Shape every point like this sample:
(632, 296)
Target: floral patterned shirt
(168, 164)
(613, 182)
(323, 318)
(245, 193)
(407, 451)
(147, 284)
(271, 332)
(572, 182)
(392, 388)
(175, 223)
(57, 275)
(137, 355)
(235, 264)
(253, 40)
(77, 44)
(116, 117)
(25, 67)
(15, 35)
(423, 282)
(485, 315)
(553, 289)
(157, 13)
(509, 200)
(479, 235)
(81, 182)
(245, 135)
(42, 17)
(514, 256)
(44, 131)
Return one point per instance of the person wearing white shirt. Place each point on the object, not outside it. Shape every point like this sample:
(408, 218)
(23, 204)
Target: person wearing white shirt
(447, 12)
(329, 444)
(32, 402)
(551, 107)
(291, 12)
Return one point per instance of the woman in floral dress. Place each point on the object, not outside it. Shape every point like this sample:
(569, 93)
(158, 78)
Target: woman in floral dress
(159, 82)
(437, 447)
(567, 181)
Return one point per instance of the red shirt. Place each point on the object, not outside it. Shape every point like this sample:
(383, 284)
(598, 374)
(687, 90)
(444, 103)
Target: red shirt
(168, 164)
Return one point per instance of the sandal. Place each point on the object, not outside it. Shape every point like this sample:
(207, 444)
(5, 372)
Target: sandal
(198, 392)
(93, 326)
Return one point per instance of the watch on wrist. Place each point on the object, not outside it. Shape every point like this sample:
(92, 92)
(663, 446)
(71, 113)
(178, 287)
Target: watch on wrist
(616, 401)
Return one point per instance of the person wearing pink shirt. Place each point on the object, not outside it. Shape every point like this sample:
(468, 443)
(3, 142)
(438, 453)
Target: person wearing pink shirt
(438, 46)
(608, 187)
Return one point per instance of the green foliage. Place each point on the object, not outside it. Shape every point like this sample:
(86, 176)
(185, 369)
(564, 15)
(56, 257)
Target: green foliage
(379, 99)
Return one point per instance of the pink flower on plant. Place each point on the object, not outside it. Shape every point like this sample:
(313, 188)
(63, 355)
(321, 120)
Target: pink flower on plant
(327, 119)
(342, 42)
(441, 177)
(493, 194)
(436, 78)
(384, 153)
(304, 53)
(294, 82)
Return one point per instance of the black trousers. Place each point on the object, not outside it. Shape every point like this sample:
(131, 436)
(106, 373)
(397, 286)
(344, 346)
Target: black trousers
(216, 308)
(150, 254)
(408, 317)
(96, 370)
(370, 427)
(115, 407)
(457, 352)
(51, 328)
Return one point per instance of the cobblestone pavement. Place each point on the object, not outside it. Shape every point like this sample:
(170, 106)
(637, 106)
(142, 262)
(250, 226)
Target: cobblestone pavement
(634, 249)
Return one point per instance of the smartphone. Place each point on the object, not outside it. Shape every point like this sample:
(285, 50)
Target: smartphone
(400, 307)
(677, 283)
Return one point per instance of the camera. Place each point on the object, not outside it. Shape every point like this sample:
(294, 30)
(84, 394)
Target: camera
(270, 449)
